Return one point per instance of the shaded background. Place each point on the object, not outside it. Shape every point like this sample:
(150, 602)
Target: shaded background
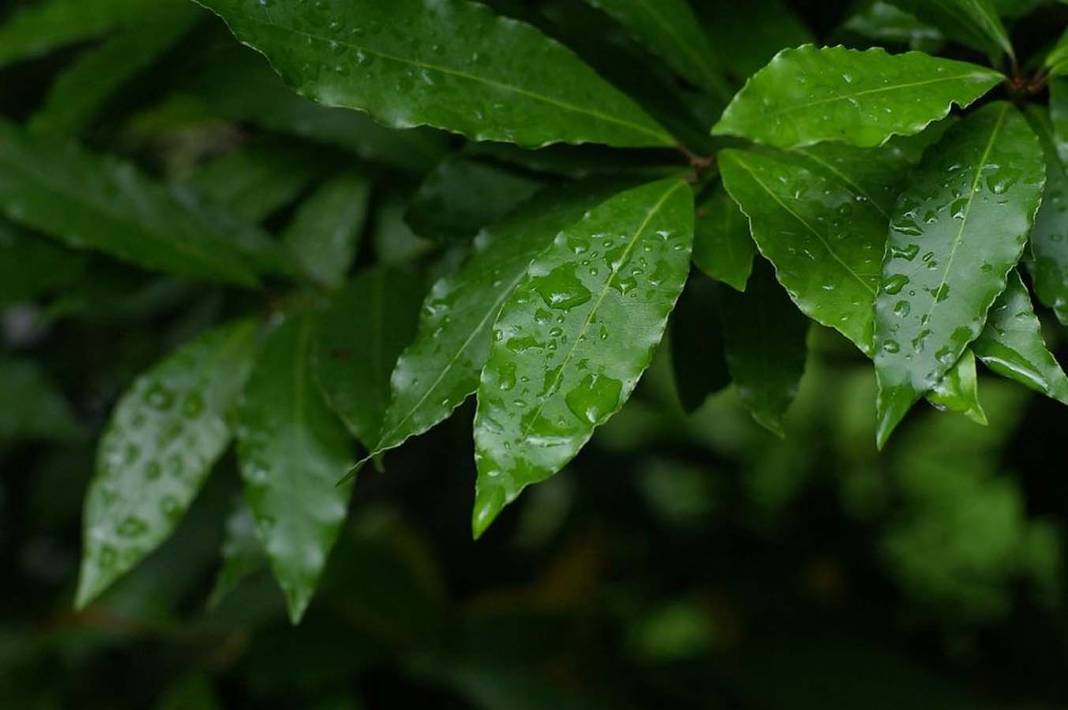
(695, 561)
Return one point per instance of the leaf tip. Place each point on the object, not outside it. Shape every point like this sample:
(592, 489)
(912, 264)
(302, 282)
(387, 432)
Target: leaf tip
(891, 407)
(489, 502)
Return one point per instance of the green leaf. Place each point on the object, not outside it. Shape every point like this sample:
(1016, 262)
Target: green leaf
(455, 66)
(99, 203)
(697, 347)
(1011, 344)
(722, 246)
(1057, 60)
(808, 95)
(161, 442)
(959, 227)
(1049, 238)
(958, 390)
(441, 367)
(1058, 113)
(292, 451)
(365, 328)
(461, 195)
(256, 180)
(82, 89)
(883, 22)
(974, 23)
(325, 231)
(37, 410)
(765, 345)
(242, 552)
(670, 29)
(31, 267)
(42, 27)
(824, 242)
(746, 41)
(574, 337)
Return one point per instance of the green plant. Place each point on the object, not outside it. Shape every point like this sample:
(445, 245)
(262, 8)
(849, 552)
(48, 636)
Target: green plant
(534, 259)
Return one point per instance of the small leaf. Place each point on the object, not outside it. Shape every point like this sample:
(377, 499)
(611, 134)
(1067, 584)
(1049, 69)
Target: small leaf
(808, 95)
(958, 390)
(242, 552)
(161, 442)
(461, 195)
(722, 246)
(1049, 238)
(326, 228)
(974, 23)
(1011, 344)
(82, 89)
(109, 206)
(574, 337)
(361, 334)
(697, 348)
(455, 66)
(765, 345)
(957, 230)
(292, 451)
(669, 29)
(46, 26)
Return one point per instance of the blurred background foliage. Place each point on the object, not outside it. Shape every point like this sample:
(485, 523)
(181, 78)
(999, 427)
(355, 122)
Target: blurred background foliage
(681, 560)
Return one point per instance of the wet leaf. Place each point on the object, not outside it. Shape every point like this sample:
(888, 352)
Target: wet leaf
(242, 552)
(957, 230)
(810, 94)
(368, 324)
(669, 29)
(441, 367)
(456, 66)
(292, 451)
(161, 442)
(958, 390)
(1011, 344)
(574, 337)
(326, 228)
(42, 27)
(974, 23)
(697, 348)
(722, 246)
(765, 345)
(94, 202)
(1049, 238)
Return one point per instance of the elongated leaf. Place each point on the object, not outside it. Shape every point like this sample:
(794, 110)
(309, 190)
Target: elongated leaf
(669, 29)
(1057, 59)
(974, 23)
(83, 88)
(41, 27)
(241, 86)
(697, 349)
(440, 368)
(461, 195)
(765, 345)
(98, 203)
(160, 445)
(883, 22)
(1011, 344)
(957, 230)
(747, 40)
(1049, 238)
(958, 390)
(367, 325)
(256, 180)
(31, 267)
(455, 66)
(292, 451)
(1058, 113)
(325, 231)
(242, 552)
(37, 410)
(574, 337)
(808, 95)
(722, 246)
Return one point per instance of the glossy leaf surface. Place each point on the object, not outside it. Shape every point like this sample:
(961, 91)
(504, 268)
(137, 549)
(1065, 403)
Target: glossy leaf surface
(670, 29)
(326, 228)
(974, 23)
(958, 390)
(957, 230)
(722, 246)
(292, 451)
(884, 22)
(361, 334)
(161, 442)
(441, 367)
(810, 94)
(92, 202)
(456, 65)
(765, 345)
(1049, 238)
(574, 337)
(242, 551)
(1011, 344)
